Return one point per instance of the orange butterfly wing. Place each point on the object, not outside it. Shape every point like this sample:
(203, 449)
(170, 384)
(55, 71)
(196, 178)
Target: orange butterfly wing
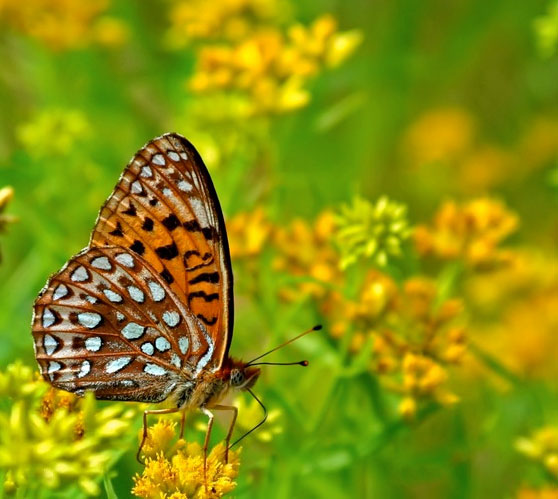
(166, 210)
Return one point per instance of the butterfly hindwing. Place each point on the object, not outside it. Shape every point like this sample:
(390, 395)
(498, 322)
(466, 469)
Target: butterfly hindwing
(165, 209)
(108, 322)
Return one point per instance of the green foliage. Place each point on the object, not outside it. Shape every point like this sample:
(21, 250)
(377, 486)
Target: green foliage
(443, 107)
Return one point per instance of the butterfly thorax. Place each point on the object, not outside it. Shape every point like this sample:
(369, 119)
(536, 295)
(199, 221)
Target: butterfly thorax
(210, 388)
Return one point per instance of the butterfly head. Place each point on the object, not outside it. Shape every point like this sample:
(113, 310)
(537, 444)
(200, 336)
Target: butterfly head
(243, 377)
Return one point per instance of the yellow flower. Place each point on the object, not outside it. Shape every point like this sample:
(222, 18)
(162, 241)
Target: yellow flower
(180, 473)
(110, 32)
(198, 20)
(375, 231)
(544, 493)
(55, 440)
(59, 24)
(542, 447)
(306, 251)
(484, 167)
(248, 233)
(270, 70)
(471, 231)
(250, 414)
(439, 135)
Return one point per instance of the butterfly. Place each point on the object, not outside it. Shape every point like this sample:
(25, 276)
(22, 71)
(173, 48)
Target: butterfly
(145, 312)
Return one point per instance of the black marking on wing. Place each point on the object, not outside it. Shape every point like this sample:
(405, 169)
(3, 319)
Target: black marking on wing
(212, 277)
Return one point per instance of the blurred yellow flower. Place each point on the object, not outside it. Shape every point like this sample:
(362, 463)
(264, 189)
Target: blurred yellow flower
(194, 20)
(542, 447)
(53, 132)
(248, 233)
(545, 493)
(439, 135)
(376, 231)
(524, 336)
(484, 167)
(177, 471)
(306, 251)
(250, 414)
(110, 32)
(539, 145)
(270, 70)
(54, 440)
(471, 232)
(59, 24)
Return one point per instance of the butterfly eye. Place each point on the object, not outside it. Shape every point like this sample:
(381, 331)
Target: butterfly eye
(237, 377)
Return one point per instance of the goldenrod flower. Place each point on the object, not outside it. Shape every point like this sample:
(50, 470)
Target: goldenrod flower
(53, 439)
(306, 251)
(53, 132)
(376, 231)
(177, 470)
(198, 20)
(59, 24)
(543, 493)
(471, 231)
(268, 69)
(542, 447)
(250, 414)
(248, 233)
(439, 135)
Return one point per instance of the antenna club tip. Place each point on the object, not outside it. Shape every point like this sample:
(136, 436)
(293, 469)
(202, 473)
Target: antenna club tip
(304, 363)
(317, 328)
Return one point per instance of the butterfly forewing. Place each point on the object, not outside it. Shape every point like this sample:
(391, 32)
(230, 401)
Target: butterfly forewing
(109, 323)
(165, 209)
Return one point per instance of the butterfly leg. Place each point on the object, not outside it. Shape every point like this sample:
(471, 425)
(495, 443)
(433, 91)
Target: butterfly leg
(234, 410)
(182, 424)
(210, 416)
(144, 438)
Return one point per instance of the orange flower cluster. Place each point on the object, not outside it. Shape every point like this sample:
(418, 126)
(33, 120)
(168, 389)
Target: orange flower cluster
(470, 232)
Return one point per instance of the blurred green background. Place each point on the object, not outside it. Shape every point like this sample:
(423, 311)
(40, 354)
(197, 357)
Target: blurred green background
(307, 114)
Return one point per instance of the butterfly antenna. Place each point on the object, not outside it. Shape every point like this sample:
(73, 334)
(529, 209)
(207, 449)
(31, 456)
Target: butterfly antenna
(259, 424)
(301, 363)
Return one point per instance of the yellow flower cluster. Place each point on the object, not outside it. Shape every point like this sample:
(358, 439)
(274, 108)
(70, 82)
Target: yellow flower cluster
(231, 20)
(545, 493)
(306, 252)
(447, 142)
(176, 469)
(542, 447)
(525, 297)
(269, 70)
(376, 231)
(470, 232)
(248, 233)
(413, 338)
(54, 440)
(439, 135)
(53, 132)
(64, 24)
